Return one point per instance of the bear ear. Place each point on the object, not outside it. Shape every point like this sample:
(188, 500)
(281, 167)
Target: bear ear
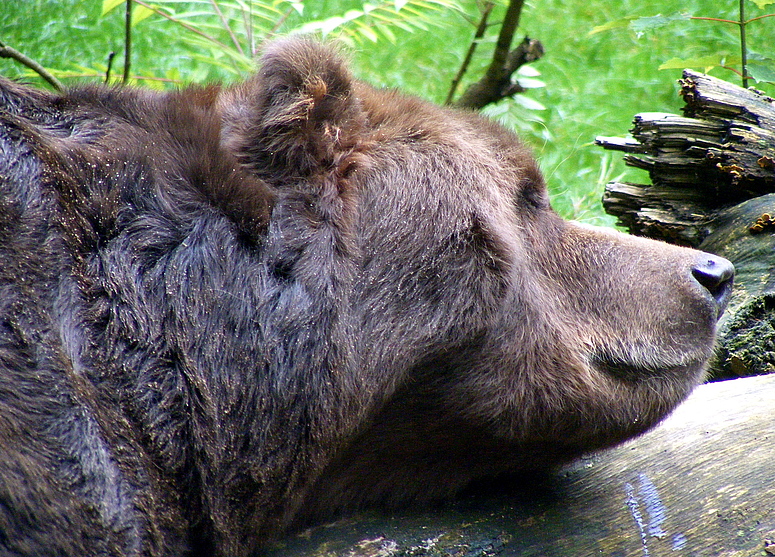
(298, 117)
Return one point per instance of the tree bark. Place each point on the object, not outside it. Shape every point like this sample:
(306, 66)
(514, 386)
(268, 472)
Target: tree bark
(496, 83)
(699, 484)
(744, 235)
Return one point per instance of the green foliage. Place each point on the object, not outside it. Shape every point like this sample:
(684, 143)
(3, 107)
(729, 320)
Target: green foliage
(594, 83)
(642, 24)
(761, 70)
(225, 33)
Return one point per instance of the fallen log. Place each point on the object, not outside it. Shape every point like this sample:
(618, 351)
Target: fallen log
(699, 484)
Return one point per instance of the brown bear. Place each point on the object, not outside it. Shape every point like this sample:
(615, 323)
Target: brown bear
(228, 311)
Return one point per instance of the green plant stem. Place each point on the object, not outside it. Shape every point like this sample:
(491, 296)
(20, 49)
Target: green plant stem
(741, 23)
(743, 49)
(227, 27)
(127, 40)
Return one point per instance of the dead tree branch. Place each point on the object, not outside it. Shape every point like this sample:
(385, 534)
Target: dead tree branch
(496, 83)
(8, 52)
(480, 30)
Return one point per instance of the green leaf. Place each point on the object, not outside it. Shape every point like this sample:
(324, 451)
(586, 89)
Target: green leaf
(530, 83)
(758, 57)
(527, 102)
(367, 32)
(108, 5)
(762, 3)
(325, 26)
(379, 18)
(615, 24)
(704, 62)
(760, 72)
(140, 13)
(387, 32)
(642, 24)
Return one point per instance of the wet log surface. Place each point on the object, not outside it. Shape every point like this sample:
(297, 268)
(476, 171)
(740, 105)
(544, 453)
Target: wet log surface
(700, 484)
(721, 152)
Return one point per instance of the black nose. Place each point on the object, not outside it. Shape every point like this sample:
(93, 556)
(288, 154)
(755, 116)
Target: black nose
(716, 274)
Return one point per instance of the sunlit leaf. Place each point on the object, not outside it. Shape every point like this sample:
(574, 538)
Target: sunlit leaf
(642, 24)
(762, 3)
(615, 24)
(379, 18)
(530, 83)
(528, 71)
(705, 62)
(140, 13)
(108, 5)
(527, 102)
(367, 32)
(387, 32)
(325, 26)
(760, 72)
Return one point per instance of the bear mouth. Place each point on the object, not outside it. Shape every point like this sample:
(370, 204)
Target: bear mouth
(634, 372)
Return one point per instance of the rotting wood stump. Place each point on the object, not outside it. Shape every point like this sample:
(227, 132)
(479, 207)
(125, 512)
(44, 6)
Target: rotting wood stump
(700, 484)
(712, 173)
(719, 153)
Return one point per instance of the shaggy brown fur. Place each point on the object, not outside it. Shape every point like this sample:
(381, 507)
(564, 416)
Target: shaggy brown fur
(226, 312)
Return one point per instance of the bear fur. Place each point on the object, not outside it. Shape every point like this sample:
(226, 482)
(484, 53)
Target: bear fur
(227, 312)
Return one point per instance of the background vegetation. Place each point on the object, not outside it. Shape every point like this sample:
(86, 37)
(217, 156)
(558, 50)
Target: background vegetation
(594, 83)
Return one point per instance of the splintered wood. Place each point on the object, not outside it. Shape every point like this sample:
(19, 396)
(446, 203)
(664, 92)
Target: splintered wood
(720, 153)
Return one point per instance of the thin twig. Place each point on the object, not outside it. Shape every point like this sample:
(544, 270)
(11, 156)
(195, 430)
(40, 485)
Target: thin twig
(743, 49)
(282, 20)
(759, 17)
(127, 40)
(226, 26)
(247, 19)
(179, 22)
(111, 56)
(8, 52)
(717, 19)
(720, 20)
(480, 31)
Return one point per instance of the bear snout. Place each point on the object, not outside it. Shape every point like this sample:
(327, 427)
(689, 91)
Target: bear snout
(716, 275)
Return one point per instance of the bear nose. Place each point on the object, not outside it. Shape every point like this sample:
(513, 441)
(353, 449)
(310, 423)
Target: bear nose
(716, 274)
